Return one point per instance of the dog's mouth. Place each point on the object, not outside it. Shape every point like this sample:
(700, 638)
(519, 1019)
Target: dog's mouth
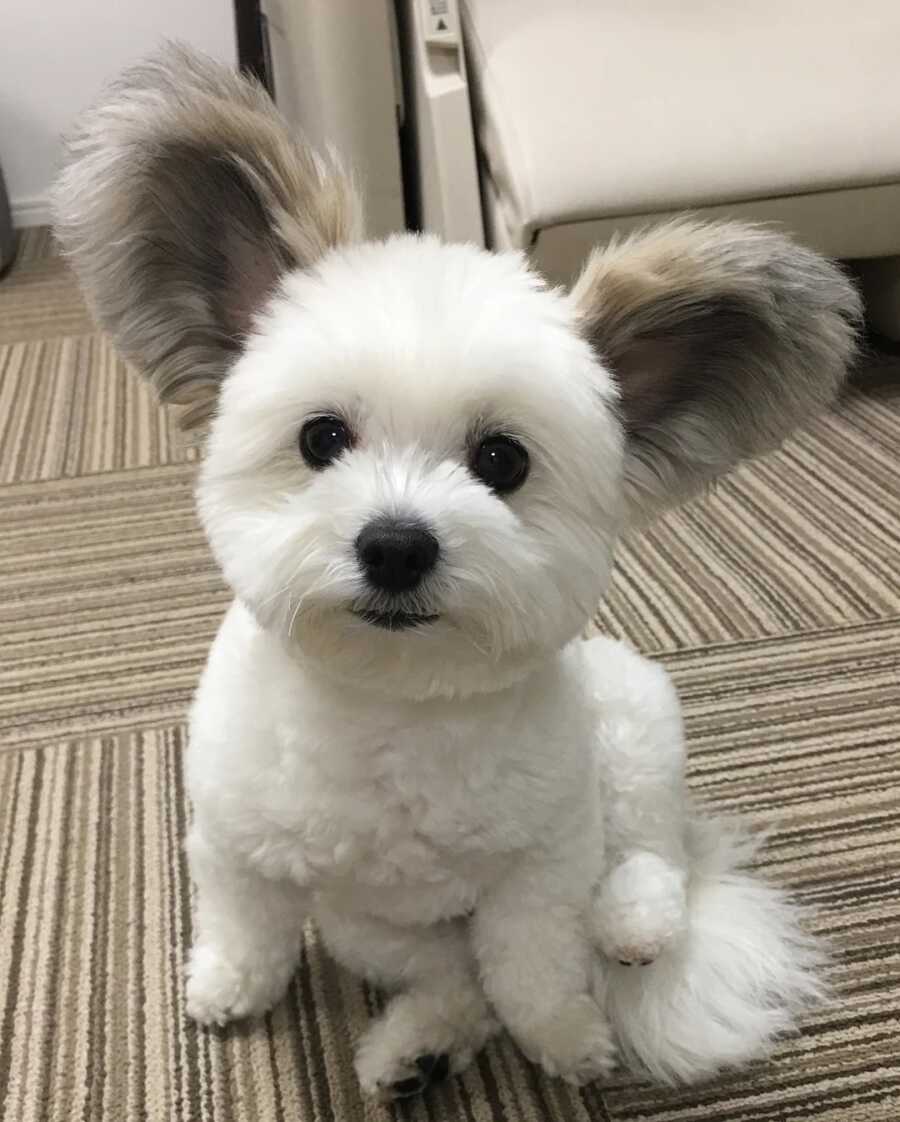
(394, 621)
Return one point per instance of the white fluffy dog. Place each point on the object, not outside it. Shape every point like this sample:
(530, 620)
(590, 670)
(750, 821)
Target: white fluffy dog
(418, 463)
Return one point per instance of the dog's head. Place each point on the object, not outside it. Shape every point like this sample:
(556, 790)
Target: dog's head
(420, 455)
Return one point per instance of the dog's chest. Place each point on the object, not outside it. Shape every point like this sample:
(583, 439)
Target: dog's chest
(413, 839)
(402, 811)
(405, 813)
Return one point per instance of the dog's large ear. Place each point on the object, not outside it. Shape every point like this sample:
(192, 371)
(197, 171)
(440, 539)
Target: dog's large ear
(722, 339)
(183, 200)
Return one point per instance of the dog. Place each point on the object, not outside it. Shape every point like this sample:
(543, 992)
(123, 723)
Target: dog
(419, 457)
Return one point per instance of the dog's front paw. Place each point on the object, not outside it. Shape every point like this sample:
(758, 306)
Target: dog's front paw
(640, 908)
(218, 991)
(575, 1043)
(419, 1040)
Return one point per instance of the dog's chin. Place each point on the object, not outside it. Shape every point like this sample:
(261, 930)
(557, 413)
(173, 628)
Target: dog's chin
(396, 620)
(406, 655)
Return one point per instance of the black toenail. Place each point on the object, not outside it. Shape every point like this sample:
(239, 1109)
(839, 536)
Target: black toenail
(425, 1063)
(625, 962)
(441, 1068)
(433, 1068)
(646, 962)
(406, 1088)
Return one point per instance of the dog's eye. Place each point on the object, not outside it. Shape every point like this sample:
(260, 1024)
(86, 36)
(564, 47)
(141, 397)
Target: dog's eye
(322, 440)
(501, 462)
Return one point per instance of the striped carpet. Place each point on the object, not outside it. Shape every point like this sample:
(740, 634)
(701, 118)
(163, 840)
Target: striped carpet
(774, 602)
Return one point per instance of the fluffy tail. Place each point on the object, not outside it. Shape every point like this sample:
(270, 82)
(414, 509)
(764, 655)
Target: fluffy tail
(734, 981)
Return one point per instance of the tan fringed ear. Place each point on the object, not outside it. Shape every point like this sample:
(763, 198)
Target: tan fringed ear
(184, 199)
(722, 339)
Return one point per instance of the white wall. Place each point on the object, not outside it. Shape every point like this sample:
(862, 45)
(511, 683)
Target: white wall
(55, 56)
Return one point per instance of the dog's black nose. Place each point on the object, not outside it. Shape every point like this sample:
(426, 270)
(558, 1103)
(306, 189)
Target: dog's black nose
(396, 555)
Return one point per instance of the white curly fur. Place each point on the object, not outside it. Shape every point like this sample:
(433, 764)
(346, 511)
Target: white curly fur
(482, 812)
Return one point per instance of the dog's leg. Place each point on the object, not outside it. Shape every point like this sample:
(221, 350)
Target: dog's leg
(247, 932)
(439, 1018)
(536, 965)
(640, 906)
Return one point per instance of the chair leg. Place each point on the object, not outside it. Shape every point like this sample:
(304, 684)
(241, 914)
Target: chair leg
(880, 282)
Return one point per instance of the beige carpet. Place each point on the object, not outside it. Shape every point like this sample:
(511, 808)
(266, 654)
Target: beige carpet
(774, 603)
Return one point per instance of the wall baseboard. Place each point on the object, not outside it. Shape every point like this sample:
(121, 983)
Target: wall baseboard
(30, 212)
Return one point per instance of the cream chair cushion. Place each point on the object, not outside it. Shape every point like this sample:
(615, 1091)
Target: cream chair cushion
(593, 115)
